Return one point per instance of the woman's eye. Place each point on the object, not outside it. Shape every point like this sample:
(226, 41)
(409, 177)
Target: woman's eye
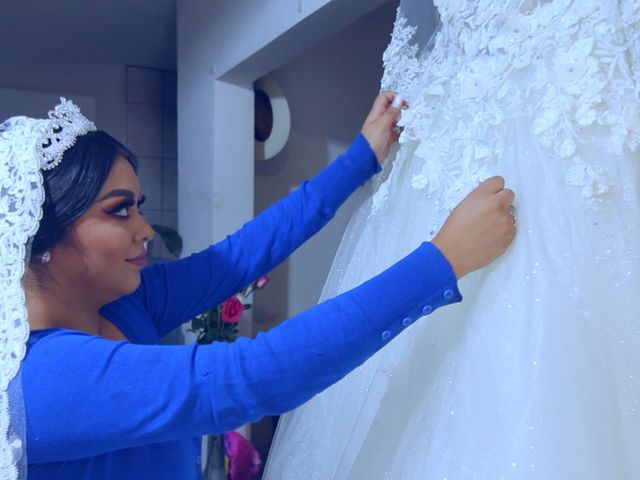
(121, 212)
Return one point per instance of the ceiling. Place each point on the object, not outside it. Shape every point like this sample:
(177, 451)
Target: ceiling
(134, 32)
(383, 14)
(130, 32)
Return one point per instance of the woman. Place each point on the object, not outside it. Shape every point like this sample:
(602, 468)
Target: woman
(104, 400)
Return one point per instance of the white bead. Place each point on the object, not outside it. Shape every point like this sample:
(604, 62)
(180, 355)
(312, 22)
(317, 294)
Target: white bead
(52, 144)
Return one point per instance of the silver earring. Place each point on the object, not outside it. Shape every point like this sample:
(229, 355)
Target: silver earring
(46, 257)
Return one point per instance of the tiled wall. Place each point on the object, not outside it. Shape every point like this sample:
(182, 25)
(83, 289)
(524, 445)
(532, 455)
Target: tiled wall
(152, 136)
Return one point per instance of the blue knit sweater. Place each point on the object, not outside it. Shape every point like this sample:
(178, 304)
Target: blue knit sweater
(101, 409)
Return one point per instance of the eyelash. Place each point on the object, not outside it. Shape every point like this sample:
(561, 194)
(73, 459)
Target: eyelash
(126, 206)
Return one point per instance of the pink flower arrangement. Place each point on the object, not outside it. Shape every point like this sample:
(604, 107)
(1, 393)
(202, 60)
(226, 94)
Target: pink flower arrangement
(244, 459)
(220, 324)
(232, 310)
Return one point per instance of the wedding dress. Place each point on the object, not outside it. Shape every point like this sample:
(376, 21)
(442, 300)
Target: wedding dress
(536, 375)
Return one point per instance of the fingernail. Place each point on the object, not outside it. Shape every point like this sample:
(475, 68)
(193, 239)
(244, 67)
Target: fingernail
(397, 101)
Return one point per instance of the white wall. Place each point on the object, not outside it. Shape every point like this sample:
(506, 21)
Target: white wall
(203, 102)
(103, 82)
(36, 104)
(223, 46)
(330, 89)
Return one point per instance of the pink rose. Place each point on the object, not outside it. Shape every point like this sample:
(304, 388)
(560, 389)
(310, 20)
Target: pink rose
(244, 459)
(232, 310)
(262, 281)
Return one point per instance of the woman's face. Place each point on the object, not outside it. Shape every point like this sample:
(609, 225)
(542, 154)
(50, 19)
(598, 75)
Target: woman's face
(105, 250)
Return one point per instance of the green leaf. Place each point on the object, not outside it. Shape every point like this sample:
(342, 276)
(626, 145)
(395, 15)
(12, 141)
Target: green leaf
(197, 323)
(171, 239)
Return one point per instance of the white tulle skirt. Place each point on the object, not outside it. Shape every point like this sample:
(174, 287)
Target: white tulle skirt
(535, 375)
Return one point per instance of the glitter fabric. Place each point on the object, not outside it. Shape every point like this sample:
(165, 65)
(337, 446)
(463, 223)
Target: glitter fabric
(536, 375)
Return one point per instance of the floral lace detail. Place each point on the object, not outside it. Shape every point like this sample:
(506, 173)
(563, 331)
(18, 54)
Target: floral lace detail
(401, 65)
(631, 18)
(21, 197)
(567, 68)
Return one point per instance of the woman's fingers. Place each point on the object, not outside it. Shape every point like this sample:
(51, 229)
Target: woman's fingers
(480, 228)
(493, 184)
(506, 196)
(380, 128)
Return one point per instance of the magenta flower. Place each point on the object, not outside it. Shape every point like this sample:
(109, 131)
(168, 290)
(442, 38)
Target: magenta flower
(232, 310)
(244, 459)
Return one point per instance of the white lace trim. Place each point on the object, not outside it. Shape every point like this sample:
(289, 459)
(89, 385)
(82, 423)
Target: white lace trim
(400, 58)
(21, 198)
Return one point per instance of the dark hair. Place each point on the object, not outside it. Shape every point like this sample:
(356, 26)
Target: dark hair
(71, 187)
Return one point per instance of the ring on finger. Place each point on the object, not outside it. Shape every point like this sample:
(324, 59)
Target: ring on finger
(512, 211)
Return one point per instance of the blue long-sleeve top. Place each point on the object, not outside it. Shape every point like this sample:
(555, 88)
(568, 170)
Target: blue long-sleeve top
(102, 409)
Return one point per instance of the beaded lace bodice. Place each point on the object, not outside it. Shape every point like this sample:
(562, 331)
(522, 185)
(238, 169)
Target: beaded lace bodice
(569, 68)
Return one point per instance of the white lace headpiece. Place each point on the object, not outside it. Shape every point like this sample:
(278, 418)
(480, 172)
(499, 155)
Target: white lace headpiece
(27, 146)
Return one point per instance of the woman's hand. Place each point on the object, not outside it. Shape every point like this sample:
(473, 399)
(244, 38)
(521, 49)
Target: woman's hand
(380, 126)
(479, 229)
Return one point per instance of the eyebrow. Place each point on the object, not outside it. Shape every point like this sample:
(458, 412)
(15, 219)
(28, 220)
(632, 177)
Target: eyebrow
(119, 192)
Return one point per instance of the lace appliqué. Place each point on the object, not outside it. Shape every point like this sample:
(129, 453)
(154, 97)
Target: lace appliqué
(21, 197)
(567, 69)
(631, 17)
(401, 65)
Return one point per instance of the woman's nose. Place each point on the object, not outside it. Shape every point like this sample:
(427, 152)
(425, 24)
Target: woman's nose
(144, 230)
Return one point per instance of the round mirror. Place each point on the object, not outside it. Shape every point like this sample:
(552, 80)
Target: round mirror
(272, 120)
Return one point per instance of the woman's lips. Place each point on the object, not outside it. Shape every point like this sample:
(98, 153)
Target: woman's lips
(140, 260)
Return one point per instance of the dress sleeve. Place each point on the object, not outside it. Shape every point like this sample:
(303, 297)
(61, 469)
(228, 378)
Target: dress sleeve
(175, 292)
(85, 395)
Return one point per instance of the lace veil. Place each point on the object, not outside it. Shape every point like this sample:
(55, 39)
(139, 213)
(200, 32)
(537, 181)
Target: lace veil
(27, 146)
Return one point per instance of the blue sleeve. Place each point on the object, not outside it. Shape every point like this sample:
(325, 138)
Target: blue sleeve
(85, 395)
(175, 292)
